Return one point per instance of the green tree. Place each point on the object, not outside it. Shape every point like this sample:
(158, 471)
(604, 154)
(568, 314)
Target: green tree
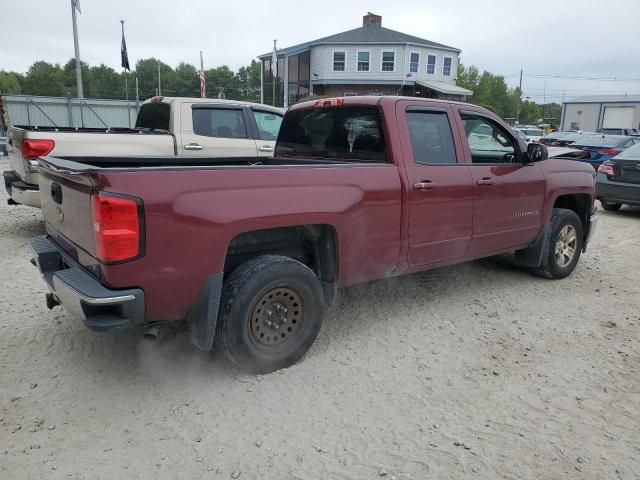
(110, 84)
(88, 82)
(46, 79)
(249, 82)
(10, 83)
(222, 81)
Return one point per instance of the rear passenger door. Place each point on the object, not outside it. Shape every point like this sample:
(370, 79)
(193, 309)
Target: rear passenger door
(440, 188)
(216, 131)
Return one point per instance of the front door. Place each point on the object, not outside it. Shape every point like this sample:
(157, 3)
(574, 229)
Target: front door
(440, 189)
(216, 131)
(267, 126)
(508, 195)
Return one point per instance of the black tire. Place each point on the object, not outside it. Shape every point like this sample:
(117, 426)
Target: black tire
(556, 265)
(610, 207)
(265, 345)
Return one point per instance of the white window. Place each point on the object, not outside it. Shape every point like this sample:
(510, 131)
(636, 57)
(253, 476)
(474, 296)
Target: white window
(388, 61)
(446, 68)
(414, 62)
(431, 64)
(339, 61)
(363, 61)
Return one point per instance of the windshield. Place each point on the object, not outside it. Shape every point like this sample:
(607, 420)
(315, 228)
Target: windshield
(345, 133)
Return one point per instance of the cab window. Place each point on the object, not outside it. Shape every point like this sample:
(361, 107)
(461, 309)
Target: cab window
(218, 122)
(488, 141)
(268, 124)
(431, 137)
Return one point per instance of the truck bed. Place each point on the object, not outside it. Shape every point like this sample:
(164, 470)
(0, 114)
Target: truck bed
(31, 128)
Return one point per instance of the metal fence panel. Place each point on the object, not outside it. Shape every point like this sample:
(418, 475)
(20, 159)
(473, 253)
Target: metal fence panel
(70, 112)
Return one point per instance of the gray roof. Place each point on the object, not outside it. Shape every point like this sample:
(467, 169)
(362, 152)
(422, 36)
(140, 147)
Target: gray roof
(604, 99)
(366, 34)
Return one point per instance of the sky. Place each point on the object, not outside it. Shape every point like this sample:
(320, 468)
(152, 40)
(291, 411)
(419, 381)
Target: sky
(583, 39)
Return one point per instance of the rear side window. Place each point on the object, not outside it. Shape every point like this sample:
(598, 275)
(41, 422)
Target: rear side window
(154, 116)
(431, 137)
(341, 133)
(219, 122)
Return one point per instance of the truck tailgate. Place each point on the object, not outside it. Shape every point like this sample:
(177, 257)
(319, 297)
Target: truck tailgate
(66, 206)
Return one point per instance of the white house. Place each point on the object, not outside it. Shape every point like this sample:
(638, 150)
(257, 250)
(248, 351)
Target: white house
(367, 60)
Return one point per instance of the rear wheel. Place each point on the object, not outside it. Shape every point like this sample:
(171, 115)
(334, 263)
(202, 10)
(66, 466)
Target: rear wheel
(564, 246)
(610, 207)
(271, 312)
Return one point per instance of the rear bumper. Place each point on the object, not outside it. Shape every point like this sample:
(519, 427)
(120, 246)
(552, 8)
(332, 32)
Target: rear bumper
(83, 296)
(617, 192)
(21, 192)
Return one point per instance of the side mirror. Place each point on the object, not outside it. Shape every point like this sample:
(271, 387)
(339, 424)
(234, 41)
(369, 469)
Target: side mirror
(537, 152)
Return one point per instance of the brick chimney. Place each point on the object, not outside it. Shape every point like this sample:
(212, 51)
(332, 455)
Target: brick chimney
(371, 20)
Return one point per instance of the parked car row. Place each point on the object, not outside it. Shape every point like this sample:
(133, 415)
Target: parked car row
(600, 147)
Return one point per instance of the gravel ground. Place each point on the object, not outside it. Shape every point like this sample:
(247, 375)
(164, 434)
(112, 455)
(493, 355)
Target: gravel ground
(473, 371)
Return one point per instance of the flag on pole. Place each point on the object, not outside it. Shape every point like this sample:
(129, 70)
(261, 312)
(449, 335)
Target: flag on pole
(203, 84)
(76, 5)
(124, 57)
(274, 60)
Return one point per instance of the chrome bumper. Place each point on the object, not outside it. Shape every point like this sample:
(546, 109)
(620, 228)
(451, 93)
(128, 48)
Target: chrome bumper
(82, 295)
(21, 192)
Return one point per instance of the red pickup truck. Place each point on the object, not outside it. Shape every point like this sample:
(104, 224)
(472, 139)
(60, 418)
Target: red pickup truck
(249, 252)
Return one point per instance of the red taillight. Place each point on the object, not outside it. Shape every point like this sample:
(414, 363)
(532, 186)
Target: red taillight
(609, 151)
(116, 227)
(607, 169)
(329, 102)
(36, 148)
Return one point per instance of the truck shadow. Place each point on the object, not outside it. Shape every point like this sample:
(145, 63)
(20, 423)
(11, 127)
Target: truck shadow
(360, 312)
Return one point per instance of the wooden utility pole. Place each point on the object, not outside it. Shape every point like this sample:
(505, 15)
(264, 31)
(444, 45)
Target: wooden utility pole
(519, 99)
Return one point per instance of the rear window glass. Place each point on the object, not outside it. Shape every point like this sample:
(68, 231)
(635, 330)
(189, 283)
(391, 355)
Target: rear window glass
(154, 116)
(598, 141)
(631, 153)
(341, 133)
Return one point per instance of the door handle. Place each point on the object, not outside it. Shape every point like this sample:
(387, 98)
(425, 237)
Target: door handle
(486, 181)
(265, 148)
(193, 146)
(424, 185)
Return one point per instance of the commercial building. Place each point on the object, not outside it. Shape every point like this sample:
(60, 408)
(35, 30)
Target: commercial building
(603, 111)
(367, 60)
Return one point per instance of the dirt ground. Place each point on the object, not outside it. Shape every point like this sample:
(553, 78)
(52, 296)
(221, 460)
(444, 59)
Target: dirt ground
(474, 371)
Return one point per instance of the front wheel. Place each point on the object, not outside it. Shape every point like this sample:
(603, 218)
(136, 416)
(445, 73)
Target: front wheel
(564, 247)
(610, 207)
(270, 314)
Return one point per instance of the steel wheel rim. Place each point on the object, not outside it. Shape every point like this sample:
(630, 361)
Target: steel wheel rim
(276, 319)
(566, 246)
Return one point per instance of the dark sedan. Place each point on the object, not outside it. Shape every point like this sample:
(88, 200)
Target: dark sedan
(604, 147)
(618, 180)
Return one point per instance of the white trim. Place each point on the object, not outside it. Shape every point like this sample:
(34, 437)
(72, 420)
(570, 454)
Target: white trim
(358, 61)
(395, 60)
(411, 52)
(333, 52)
(450, 66)
(435, 64)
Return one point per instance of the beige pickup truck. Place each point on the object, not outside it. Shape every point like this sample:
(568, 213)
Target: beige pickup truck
(164, 127)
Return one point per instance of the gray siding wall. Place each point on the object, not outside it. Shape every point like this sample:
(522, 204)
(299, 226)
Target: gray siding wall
(589, 116)
(66, 112)
(322, 63)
